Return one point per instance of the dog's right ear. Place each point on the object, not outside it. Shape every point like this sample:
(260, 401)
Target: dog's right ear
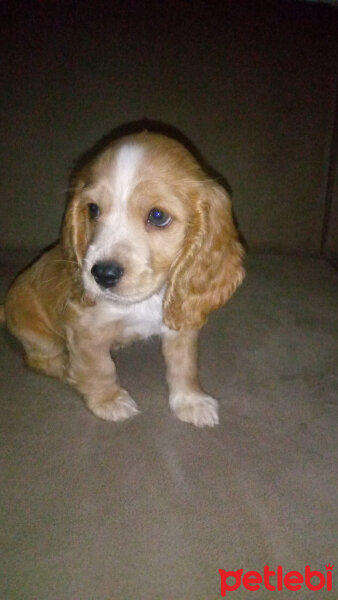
(74, 233)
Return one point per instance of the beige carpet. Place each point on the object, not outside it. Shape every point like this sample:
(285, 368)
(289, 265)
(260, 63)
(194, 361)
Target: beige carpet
(152, 508)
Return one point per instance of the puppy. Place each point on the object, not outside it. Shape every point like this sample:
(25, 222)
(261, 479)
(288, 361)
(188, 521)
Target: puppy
(148, 247)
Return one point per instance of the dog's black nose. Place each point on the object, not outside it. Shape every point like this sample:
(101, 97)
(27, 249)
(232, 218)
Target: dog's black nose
(107, 274)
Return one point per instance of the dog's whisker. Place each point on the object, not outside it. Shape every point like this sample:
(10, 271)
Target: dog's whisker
(61, 283)
(63, 260)
(47, 281)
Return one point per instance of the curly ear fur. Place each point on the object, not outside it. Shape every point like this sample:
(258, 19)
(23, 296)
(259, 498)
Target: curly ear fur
(73, 241)
(209, 268)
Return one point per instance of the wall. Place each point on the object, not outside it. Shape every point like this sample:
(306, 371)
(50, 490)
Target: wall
(330, 238)
(251, 84)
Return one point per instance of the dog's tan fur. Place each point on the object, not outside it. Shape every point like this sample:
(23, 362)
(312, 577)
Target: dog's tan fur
(174, 276)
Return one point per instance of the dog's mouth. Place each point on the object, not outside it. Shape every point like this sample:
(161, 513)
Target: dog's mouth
(128, 288)
(113, 295)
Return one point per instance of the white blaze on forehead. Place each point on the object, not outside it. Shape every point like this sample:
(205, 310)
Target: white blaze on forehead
(122, 178)
(125, 171)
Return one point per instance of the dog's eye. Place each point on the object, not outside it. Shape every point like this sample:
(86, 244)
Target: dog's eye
(159, 218)
(93, 210)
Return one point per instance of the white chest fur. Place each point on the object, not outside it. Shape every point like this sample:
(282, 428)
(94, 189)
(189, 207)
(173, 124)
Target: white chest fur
(138, 320)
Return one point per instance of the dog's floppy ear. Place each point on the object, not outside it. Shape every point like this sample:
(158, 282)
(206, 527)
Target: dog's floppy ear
(74, 235)
(209, 268)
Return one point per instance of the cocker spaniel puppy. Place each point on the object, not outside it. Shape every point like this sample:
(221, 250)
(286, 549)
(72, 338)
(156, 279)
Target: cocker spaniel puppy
(148, 247)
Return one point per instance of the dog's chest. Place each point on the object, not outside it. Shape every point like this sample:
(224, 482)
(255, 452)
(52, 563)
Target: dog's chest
(130, 322)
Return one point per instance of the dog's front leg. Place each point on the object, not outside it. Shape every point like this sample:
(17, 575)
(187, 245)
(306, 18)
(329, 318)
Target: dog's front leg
(186, 398)
(92, 372)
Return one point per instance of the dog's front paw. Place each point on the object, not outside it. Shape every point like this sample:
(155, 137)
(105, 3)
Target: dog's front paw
(119, 408)
(196, 408)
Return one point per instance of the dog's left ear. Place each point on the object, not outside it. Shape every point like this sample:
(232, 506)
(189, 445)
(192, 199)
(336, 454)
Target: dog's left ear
(209, 268)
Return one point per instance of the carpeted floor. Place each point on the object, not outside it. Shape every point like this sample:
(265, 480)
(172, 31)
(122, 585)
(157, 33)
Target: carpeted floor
(151, 509)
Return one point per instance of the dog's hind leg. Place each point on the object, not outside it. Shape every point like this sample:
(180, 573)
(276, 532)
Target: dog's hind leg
(46, 358)
(45, 349)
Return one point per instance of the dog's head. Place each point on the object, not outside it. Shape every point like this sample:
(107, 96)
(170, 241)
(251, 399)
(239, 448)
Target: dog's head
(143, 216)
